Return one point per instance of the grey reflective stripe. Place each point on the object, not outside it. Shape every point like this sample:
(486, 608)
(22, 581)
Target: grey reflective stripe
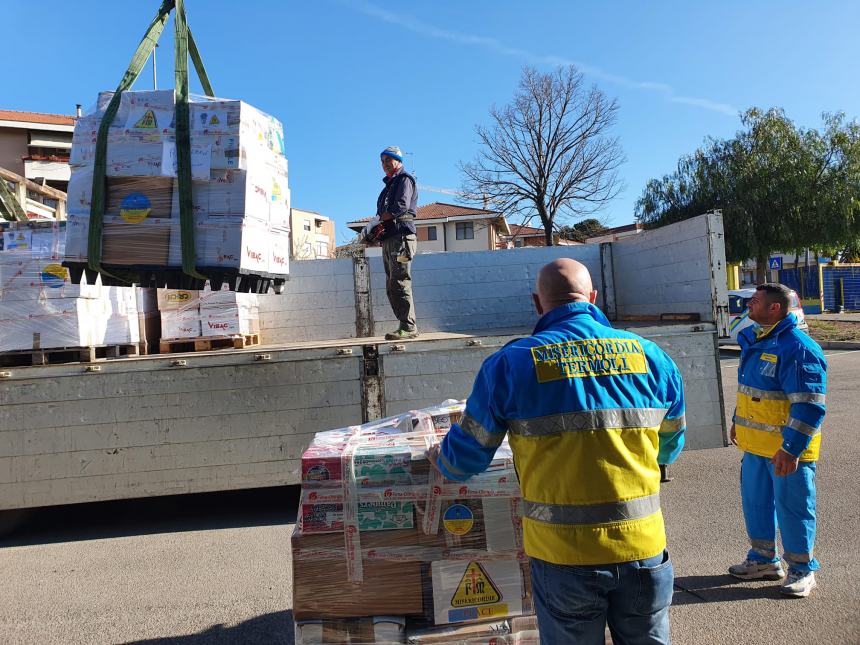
(800, 558)
(755, 425)
(673, 425)
(448, 466)
(479, 433)
(589, 420)
(800, 426)
(770, 395)
(764, 547)
(631, 509)
(807, 397)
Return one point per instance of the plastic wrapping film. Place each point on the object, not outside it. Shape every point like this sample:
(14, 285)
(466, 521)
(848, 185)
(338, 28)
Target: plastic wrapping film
(386, 550)
(240, 194)
(41, 309)
(193, 314)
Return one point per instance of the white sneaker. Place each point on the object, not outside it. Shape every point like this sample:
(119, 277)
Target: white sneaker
(755, 570)
(799, 584)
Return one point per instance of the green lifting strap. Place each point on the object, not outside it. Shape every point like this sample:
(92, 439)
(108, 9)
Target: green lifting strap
(184, 44)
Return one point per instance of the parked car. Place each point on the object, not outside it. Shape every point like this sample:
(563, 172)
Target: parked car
(739, 311)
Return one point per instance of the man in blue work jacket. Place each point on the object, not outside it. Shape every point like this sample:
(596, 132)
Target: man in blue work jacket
(781, 387)
(591, 411)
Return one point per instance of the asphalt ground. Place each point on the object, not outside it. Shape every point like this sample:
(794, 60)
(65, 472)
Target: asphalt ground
(204, 569)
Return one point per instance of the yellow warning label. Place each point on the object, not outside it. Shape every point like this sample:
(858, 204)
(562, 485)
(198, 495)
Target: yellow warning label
(214, 120)
(770, 358)
(147, 121)
(475, 588)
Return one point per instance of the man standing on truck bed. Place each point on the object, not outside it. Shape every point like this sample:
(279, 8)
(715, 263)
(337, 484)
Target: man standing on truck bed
(396, 208)
(782, 380)
(591, 412)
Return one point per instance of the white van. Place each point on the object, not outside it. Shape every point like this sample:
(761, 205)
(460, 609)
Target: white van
(739, 312)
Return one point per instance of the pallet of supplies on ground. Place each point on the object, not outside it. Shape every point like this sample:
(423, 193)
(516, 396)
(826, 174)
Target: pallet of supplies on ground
(240, 199)
(385, 550)
(41, 309)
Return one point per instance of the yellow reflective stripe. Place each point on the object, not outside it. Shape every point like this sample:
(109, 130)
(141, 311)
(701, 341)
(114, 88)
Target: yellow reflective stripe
(771, 395)
(755, 425)
(480, 434)
(673, 425)
(800, 426)
(807, 397)
(588, 420)
(631, 509)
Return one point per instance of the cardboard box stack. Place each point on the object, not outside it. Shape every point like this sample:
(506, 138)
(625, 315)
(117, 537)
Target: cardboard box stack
(387, 551)
(41, 309)
(241, 201)
(193, 314)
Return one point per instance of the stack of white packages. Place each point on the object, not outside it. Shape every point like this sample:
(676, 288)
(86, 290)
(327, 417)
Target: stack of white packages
(207, 314)
(241, 201)
(41, 309)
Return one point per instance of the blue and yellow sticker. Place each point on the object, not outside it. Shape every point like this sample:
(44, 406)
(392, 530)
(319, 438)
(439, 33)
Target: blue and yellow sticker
(588, 358)
(770, 358)
(54, 275)
(458, 519)
(135, 207)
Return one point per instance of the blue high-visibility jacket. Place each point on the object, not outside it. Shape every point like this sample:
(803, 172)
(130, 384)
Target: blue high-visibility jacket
(591, 412)
(782, 381)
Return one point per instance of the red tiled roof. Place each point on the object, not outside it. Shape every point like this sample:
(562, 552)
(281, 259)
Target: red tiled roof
(439, 210)
(525, 230)
(36, 117)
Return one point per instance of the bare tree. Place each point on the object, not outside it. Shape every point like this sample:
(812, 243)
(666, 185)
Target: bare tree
(548, 153)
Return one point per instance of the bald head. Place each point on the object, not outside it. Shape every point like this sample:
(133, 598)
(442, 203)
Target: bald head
(563, 281)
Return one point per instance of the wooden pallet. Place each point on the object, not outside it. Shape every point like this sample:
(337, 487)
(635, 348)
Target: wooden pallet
(178, 345)
(59, 355)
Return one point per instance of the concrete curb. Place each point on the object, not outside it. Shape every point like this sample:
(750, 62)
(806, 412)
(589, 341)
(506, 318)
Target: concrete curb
(839, 344)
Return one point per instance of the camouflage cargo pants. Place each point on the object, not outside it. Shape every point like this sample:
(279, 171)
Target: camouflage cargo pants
(397, 254)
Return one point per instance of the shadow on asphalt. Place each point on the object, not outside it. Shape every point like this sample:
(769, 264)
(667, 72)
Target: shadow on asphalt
(276, 627)
(692, 590)
(170, 514)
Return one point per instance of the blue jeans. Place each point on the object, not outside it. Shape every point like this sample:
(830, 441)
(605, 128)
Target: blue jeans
(574, 603)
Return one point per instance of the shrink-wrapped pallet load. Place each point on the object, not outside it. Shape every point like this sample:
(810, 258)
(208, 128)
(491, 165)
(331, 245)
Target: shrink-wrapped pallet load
(40, 308)
(386, 550)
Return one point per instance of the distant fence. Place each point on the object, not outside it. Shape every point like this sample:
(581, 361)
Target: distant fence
(825, 287)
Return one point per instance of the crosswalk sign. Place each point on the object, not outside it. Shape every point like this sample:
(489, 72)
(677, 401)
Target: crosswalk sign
(775, 263)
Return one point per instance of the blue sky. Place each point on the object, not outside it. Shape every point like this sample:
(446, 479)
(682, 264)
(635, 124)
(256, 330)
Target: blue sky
(349, 77)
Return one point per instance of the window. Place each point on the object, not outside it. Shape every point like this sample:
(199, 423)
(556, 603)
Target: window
(518, 242)
(318, 223)
(465, 231)
(322, 250)
(307, 225)
(431, 233)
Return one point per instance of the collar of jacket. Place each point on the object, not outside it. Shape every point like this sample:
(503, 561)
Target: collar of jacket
(789, 322)
(387, 179)
(568, 311)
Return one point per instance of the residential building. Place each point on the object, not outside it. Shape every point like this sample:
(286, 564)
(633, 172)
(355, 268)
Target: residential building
(312, 235)
(616, 233)
(529, 236)
(450, 227)
(37, 146)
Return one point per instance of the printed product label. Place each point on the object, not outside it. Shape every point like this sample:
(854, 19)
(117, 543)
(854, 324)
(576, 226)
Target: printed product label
(318, 473)
(135, 207)
(589, 358)
(458, 519)
(54, 275)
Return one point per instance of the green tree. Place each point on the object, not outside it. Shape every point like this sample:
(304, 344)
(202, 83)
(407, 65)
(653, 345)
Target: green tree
(780, 188)
(581, 231)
